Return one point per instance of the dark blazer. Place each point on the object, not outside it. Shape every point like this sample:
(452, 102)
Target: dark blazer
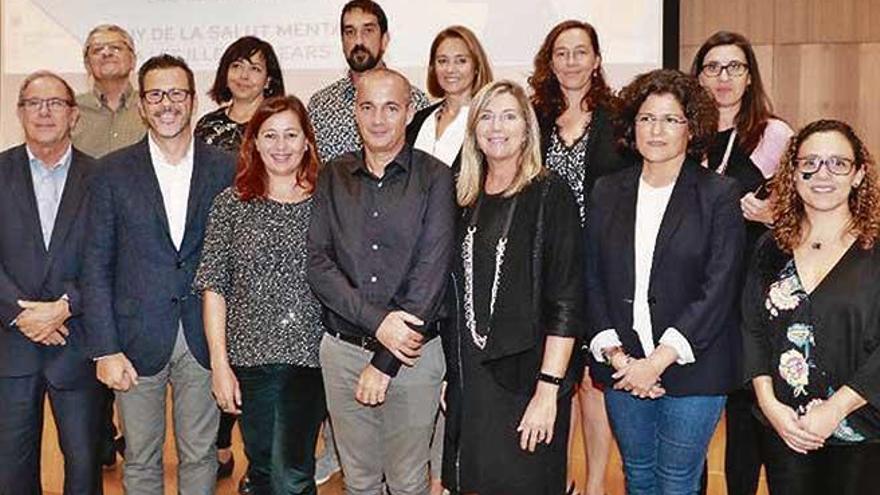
(602, 156)
(137, 285)
(695, 277)
(412, 133)
(28, 271)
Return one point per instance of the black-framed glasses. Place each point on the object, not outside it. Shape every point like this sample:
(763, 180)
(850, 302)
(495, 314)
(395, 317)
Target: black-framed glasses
(175, 95)
(837, 165)
(667, 120)
(54, 105)
(734, 69)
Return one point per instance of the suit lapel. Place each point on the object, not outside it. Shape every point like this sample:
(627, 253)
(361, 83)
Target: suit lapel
(145, 180)
(679, 201)
(196, 187)
(622, 227)
(71, 197)
(23, 189)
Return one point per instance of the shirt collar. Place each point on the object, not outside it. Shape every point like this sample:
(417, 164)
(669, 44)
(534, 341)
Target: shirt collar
(158, 156)
(101, 99)
(61, 165)
(402, 160)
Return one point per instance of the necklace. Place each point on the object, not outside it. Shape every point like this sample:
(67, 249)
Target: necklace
(816, 245)
(467, 255)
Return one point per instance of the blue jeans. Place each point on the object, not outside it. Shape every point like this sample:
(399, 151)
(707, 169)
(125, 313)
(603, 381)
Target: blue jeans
(664, 441)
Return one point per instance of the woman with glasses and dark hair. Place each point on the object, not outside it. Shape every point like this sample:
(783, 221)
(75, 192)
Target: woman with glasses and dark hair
(248, 73)
(663, 270)
(262, 323)
(573, 101)
(747, 147)
(811, 320)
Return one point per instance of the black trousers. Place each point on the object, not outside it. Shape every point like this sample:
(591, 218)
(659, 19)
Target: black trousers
(743, 456)
(77, 415)
(833, 469)
(281, 413)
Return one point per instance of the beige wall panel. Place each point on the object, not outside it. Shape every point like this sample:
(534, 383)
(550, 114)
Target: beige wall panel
(817, 81)
(868, 120)
(827, 21)
(701, 18)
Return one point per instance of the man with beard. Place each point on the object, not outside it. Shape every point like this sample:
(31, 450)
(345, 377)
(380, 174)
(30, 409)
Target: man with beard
(109, 118)
(364, 29)
(147, 216)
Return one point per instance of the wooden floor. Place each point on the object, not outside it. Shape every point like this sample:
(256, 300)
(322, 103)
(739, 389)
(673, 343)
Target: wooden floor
(53, 466)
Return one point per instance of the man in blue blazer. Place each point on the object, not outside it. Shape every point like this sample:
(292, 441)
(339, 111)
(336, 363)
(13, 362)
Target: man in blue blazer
(146, 224)
(42, 205)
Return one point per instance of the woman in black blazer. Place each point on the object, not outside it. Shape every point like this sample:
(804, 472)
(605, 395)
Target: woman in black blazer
(572, 101)
(664, 258)
(457, 69)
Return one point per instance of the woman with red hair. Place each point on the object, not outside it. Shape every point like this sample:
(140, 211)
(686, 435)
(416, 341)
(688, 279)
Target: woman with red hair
(261, 320)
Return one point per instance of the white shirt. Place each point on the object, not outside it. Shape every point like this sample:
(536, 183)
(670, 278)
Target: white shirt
(174, 182)
(650, 208)
(446, 147)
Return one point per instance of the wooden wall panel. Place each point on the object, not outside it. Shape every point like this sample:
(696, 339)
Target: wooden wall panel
(868, 114)
(701, 18)
(824, 21)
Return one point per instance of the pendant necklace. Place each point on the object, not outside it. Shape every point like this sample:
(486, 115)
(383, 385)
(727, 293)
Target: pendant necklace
(467, 255)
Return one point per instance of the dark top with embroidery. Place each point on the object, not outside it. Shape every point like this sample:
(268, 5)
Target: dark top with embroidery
(571, 163)
(218, 129)
(255, 257)
(332, 112)
(813, 344)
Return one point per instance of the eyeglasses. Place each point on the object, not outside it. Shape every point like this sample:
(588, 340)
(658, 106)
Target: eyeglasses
(175, 95)
(115, 48)
(668, 120)
(34, 105)
(837, 165)
(734, 69)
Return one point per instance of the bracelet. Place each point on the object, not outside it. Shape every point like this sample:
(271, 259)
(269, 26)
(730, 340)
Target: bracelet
(544, 377)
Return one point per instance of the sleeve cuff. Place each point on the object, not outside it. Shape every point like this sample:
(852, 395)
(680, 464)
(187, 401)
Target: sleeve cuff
(673, 338)
(371, 318)
(385, 362)
(603, 340)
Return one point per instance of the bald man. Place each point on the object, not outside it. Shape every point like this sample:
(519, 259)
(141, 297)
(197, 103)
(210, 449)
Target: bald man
(380, 247)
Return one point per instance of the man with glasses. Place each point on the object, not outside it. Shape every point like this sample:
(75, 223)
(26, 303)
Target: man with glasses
(42, 205)
(109, 118)
(147, 218)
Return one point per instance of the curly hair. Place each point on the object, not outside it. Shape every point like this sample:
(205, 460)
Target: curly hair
(788, 207)
(755, 109)
(698, 105)
(547, 97)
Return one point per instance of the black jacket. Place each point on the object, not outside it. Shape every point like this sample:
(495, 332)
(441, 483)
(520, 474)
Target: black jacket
(412, 133)
(695, 277)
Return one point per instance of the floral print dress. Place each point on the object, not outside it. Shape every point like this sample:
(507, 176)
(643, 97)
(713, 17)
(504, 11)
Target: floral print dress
(812, 344)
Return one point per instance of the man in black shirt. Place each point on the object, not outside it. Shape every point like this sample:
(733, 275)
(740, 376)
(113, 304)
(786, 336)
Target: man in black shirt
(380, 247)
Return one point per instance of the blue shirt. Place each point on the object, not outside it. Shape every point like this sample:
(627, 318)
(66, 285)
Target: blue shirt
(48, 182)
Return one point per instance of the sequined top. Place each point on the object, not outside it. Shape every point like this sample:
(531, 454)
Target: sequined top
(216, 128)
(255, 257)
(568, 161)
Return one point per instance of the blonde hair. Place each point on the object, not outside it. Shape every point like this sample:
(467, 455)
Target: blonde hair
(530, 166)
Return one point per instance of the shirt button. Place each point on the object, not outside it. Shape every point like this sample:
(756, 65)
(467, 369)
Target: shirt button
(373, 279)
(375, 214)
(374, 247)
(115, 134)
(379, 184)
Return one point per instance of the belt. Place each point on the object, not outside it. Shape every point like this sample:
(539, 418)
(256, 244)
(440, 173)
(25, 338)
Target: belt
(372, 344)
(364, 342)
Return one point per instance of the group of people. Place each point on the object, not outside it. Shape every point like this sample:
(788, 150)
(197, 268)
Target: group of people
(454, 284)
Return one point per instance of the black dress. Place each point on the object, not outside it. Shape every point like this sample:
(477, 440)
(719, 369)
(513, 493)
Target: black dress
(490, 387)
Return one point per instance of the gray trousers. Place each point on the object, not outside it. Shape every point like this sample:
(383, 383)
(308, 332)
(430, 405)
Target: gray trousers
(392, 439)
(196, 419)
